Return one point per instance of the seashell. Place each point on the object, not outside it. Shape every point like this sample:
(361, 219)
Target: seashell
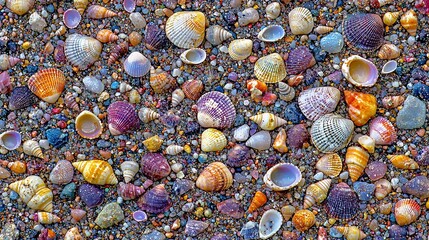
(367, 143)
(273, 10)
(170, 120)
(88, 125)
(330, 164)
(247, 16)
(147, 115)
(351, 233)
(279, 143)
(97, 172)
(5, 83)
(117, 52)
(80, 5)
(129, 191)
(82, 51)
(21, 97)
(193, 56)
(323, 29)
(331, 132)
(155, 166)
(359, 71)
(389, 67)
(287, 212)
(182, 186)
(193, 227)
(282, 176)
(135, 38)
(99, 12)
(409, 21)
(77, 214)
(62, 173)
(392, 101)
(363, 32)
(390, 18)
(356, 160)
(47, 84)
(382, 188)
(260, 141)
(270, 69)
(91, 195)
(214, 178)
(93, 84)
(300, 21)
(70, 102)
(299, 60)
(20, 7)
(129, 5)
(155, 37)
(137, 65)
(129, 170)
(10, 140)
(192, 89)
(403, 162)
(389, 51)
(316, 193)
(303, 220)
(4, 173)
(71, 18)
(382, 131)
(286, 92)
(140, 216)
(122, 117)
(362, 106)
(213, 140)
(238, 156)
(242, 133)
(186, 29)
(240, 49)
(177, 97)
(216, 35)
(231, 208)
(17, 167)
(376, 170)
(406, 211)
(7, 62)
(161, 81)
(258, 201)
(270, 223)
(46, 218)
(33, 191)
(73, 234)
(106, 35)
(155, 200)
(342, 202)
(316, 102)
(268, 121)
(32, 148)
(173, 150)
(272, 33)
(153, 144)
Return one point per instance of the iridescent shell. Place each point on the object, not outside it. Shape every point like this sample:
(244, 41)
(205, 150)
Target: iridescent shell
(32, 148)
(213, 140)
(129, 191)
(33, 191)
(300, 21)
(161, 81)
(356, 160)
(403, 162)
(216, 35)
(417, 186)
(192, 89)
(240, 49)
(46, 218)
(129, 170)
(342, 202)
(330, 164)
(268, 121)
(99, 12)
(316, 193)
(106, 35)
(215, 110)
(80, 5)
(410, 22)
(129, 5)
(238, 156)
(5, 83)
(137, 65)
(122, 117)
(260, 141)
(270, 223)
(193, 56)
(91, 195)
(117, 51)
(382, 131)
(316, 102)
(214, 178)
(299, 60)
(82, 51)
(155, 166)
(303, 220)
(20, 7)
(331, 132)
(389, 67)
(156, 200)
(88, 125)
(270, 69)
(231, 208)
(362, 106)
(282, 176)
(71, 18)
(382, 188)
(360, 71)
(363, 31)
(272, 33)
(96, 172)
(10, 140)
(47, 84)
(155, 37)
(389, 51)
(406, 211)
(7, 61)
(351, 232)
(257, 201)
(186, 29)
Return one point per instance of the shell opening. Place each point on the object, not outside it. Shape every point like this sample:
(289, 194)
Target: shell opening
(360, 70)
(284, 175)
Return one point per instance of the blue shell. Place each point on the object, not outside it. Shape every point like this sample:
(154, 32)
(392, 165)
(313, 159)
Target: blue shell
(56, 137)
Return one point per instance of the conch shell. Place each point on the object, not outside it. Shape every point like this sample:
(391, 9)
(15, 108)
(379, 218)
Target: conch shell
(356, 160)
(34, 193)
(410, 22)
(97, 172)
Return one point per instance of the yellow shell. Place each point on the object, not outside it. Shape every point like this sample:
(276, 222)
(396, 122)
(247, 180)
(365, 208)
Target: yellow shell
(410, 22)
(47, 84)
(106, 35)
(186, 29)
(316, 193)
(73, 234)
(330, 164)
(287, 212)
(129, 170)
(270, 69)
(33, 191)
(97, 172)
(46, 218)
(390, 18)
(32, 148)
(213, 140)
(356, 160)
(240, 49)
(88, 125)
(367, 142)
(153, 144)
(406, 211)
(279, 143)
(80, 5)
(351, 233)
(300, 21)
(268, 121)
(403, 162)
(20, 7)
(303, 220)
(214, 178)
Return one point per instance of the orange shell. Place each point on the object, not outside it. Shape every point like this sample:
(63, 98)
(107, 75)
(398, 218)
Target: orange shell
(17, 167)
(362, 106)
(356, 160)
(192, 89)
(258, 200)
(280, 142)
(161, 81)
(99, 12)
(410, 22)
(330, 164)
(406, 211)
(303, 220)
(256, 84)
(215, 177)
(106, 35)
(403, 162)
(47, 84)
(135, 38)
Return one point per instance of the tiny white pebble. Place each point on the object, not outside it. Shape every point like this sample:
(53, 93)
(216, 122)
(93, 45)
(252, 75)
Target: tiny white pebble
(318, 176)
(223, 49)
(344, 175)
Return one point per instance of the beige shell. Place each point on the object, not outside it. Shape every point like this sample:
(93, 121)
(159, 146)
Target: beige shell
(193, 56)
(303, 220)
(390, 18)
(99, 12)
(260, 141)
(279, 143)
(33, 191)
(356, 160)
(80, 5)
(73, 234)
(271, 222)
(153, 144)
(410, 22)
(82, 51)
(20, 7)
(273, 10)
(129, 170)
(213, 140)
(173, 149)
(240, 49)
(46, 218)
(214, 178)
(268, 121)
(367, 142)
(316, 193)
(270, 69)
(32, 148)
(7, 61)
(216, 35)
(351, 233)
(403, 162)
(286, 92)
(88, 125)
(389, 51)
(160, 80)
(287, 212)
(382, 188)
(106, 35)
(316, 102)
(300, 21)
(330, 164)
(177, 97)
(147, 115)
(360, 71)
(323, 29)
(97, 172)
(186, 29)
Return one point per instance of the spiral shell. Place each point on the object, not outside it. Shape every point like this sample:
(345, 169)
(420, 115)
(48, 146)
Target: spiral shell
(153, 144)
(330, 164)
(351, 233)
(117, 52)
(137, 65)
(410, 22)
(362, 106)
(270, 69)
(73, 234)
(323, 29)
(155, 37)
(155, 166)
(286, 92)
(99, 12)
(216, 35)
(360, 71)
(215, 110)
(303, 220)
(129, 191)
(342, 202)
(316, 193)
(82, 51)
(20, 7)
(161, 81)
(356, 160)
(299, 60)
(80, 5)
(392, 101)
(129, 170)
(17, 167)
(240, 49)
(33, 191)
(70, 102)
(406, 211)
(287, 212)
(260, 141)
(300, 21)
(214, 178)
(32, 148)
(7, 62)
(21, 97)
(390, 18)
(97, 172)
(177, 97)
(270, 223)
(192, 89)
(47, 84)
(186, 29)
(46, 218)
(382, 188)
(106, 35)
(382, 131)
(389, 51)
(122, 117)
(403, 162)
(363, 31)
(258, 201)
(316, 102)
(173, 149)
(273, 10)
(268, 121)
(213, 140)
(147, 115)
(282, 176)
(155, 200)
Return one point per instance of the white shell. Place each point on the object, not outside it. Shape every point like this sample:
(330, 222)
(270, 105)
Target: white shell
(273, 10)
(186, 29)
(146, 115)
(300, 21)
(271, 33)
(177, 96)
(136, 65)
(360, 71)
(242, 133)
(82, 51)
(260, 141)
(240, 49)
(129, 170)
(173, 149)
(389, 67)
(270, 223)
(217, 34)
(32, 148)
(193, 56)
(10, 140)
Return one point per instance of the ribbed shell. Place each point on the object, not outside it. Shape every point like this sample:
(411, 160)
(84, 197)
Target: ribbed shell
(382, 131)
(356, 160)
(240, 49)
(213, 140)
(46, 218)
(406, 211)
(192, 89)
(20, 7)
(33, 191)
(155, 37)
(303, 220)
(122, 117)
(363, 31)
(317, 192)
(137, 65)
(80, 5)
(7, 61)
(173, 150)
(47, 84)
(215, 110)
(155, 200)
(129, 191)
(389, 51)
(177, 97)
(217, 34)
(238, 156)
(147, 115)
(82, 51)
(268, 121)
(300, 21)
(129, 170)
(214, 178)
(155, 166)
(21, 97)
(342, 202)
(270, 69)
(186, 29)
(97, 172)
(403, 162)
(88, 125)
(117, 52)
(316, 102)
(161, 81)
(410, 22)
(286, 92)
(330, 164)
(99, 12)
(299, 60)
(257, 201)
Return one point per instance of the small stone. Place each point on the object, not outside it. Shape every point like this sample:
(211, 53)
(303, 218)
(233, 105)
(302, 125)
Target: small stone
(111, 215)
(293, 113)
(9, 232)
(373, 225)
(332, 43)
(421, 90)
(385, 208)
(68, 191)
(418, 187)
(93, 84)
(344, 175)
(297, 136)
(37, 23)
(91, 195)
(231, 208)
(62, 173)
(364, 190)
(376, 170)
(318, 176)
(241, 134)
(138, 20)
(154, 235)
(176, 167)
(412, 115)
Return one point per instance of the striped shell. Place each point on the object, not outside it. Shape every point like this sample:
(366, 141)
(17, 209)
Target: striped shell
(161, 81)
(300, 21)
(390, 18)
(155, 37)
(47, 84)
(363, 32)
(406, 211)
(70, 102)
(192, 89)
(147, 115)
(270, 223)
(122, 117)
(316, 102)
(331, 132)
(82, 51)
(282, 176)
(410, 22)
(330, 164)
(362, 106)
(303, 220)
(173, 149)
(323, 29)
(316, 193)
(129, 191)
(7, 61)
(32, 148)
(356, 160)
(117, 52)
(382, 131)
(177, 97)
(215, 110)
(213, 140)
(268, 121)
(351, 232)
(97, 172)
(156, 200)
(80, 5)
(299, 60)
(73, 234)
(270, 69)
(217, 34)
(46, 218)
(155, 166)
(129, 170)
(33, 191)
(99, 12)
(20, 7)
(342, 202)
(186, 29)
(286, 92)
(403, 162)
(88, 125)
(214, 178)
(240, 49)
(389, 51)
(106, 35)
(257, 201)
(137, 65)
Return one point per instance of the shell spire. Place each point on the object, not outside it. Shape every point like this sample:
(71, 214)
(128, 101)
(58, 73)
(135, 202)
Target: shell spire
(96, 172)
(117, 51)
(32, 148)
(356, 160)
(215, 177)
(317, 193)
(46, 218)
(33, 191)
(258, 201)
(129, 170)
(99, 12)
(7, 62)
(268, 121)
(80, 5)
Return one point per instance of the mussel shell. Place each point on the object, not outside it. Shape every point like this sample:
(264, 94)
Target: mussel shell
(155, 200)
(71, 18)
(342, 202)
(21, 97)
(215, 110)
(299, 60)
(282, 177)
(155, 166)
(363, 31)
(137, 65)
(122, 117)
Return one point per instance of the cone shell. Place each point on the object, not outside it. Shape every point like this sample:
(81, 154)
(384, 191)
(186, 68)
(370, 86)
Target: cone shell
(97, 172)
(270, 69)
(213, 140)
(147, 115)
(270, 223)
(300, 21)
(216, 35)
(406, 211)
(155, 37)
(303, 220)
(362, 106)
(331, 133)
(129, 170)
(129, 191)
(46, 218)
(137, 65)
(80, 5)
(268, 121)
(382, 131)
(99, 12)
(299, 60)
(173, 149)
(258, 201)
(286, 92)
(117, 51)
(342, 202)
(155, 166)
(330, 164)
(73, 234)
(186, 29)
(367, 143)
(360, 71)
(20, 7)
(82, 51)
(382, 188)
(316, 102)
(390, 18)
(409, 21)
(88, 125)
(47, 84)
(21, 97)
(7, 62)
(106, 35)
(389, 51)
(177, 97)
(351, 233)
(240, 49)
(122, 117)
(316, 193)
(192, 89)
(215, 110)
(363, 31)
(156, 200)
(282, 176)
(356, 160)
(32, 148)
(214, 178)
(403, 162)
(33, 191)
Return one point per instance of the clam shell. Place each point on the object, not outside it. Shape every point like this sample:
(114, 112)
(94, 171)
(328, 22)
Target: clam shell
(356, 160)
(389, 67)
(82, 51)
(10, 140)
(176, 97)
(129, 5)
(300, 21)
(80, 5)
(351, 232)
(155, 200)
(382, 131)
(155, 166)
(238, 156)
(389, 51)
(20, 7)
(330, 164)
(122, 117)
(360, 71)
(106, 35)
(129, 170)
(363, 31)
(88, 125)
(410, 22)
(240, 49)
(216, 35)
(273, 10)
(316, 102)
(186, 29)
(71, 18)
(97, 172)
(316, 193)
(270, 223)
(286, 92)
(299, 60)
(272, 33)
(260, 141)
(215, 110)
(270, 69)
(331, 132)
(268, 121)
(282, 176)
(155, 37)
(47, 84)
(192, 89)
(193, 56)
(342, 202)
(406, 211)
(303, 220)
(137, 65)
(99, 12)
(161, 81)
(362, 106)
(213, 140)
(214, 178)
(33, 191)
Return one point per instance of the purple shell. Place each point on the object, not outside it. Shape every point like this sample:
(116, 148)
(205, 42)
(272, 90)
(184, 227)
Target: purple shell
(21, 97)
(155, 200)
(363, 32)
(71, 18)
(231, 207)
(397, 232)
(91, 195)
(5, 84)
(299, 60)
(170, 120)
(155, 37)
(342, 202)
(129, 191)
(215, 110)
(423, 157)
(140, 216)
(297, 136)
(59, 54)
(219, 236)
(136, 65)
(182, 186)
(376, 170)
(194, 227)
(418, 186)
(171, 4)
(122, 117)
(62, 173)
(155, 166)
(129, 5)
(238, 156)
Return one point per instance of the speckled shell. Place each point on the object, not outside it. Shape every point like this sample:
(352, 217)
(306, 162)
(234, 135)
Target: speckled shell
(403, 162)
(362, 106)
(299, 60)
(47, 84)
(33, 191)
(32, 148)
(351, 233)
(177, 97)
(117, 51)
(248, 16)
(360, 71)
(155, 37)
(161, 81)
(270, 69)
(316, 193)
(257, 201)
(270, 223)
(106, 35)
(260, 141)
(173, 150)
(282, 176)
(82, 51)
(286, 92)
(215, 110)
(382, 131)
(129, 170)
(406, 211)
(342, 202)
(129, 191)
(356, 160)
(7, 61)
(238, 156)
(330, 164)
(73, 234)
(213, 140)
(240, 49)
(331, 133)
(216, 35)
(186, 29)
(137, 65)
(300, 21)
(99, 12)
(97, 172)
(409, 21)
(303, 220)
(268, 121)
(80, 5)
(192, 89)
(147, 115)
(20, 7)
(363, 31)
(390, 18)
(88, 125)
(214, 178)
(46, 218)
(21, 97)
(316, 102)
(389, 51)
(156, 200)
(62, 173)
(122, 117)
(382, 188)
(155, 166)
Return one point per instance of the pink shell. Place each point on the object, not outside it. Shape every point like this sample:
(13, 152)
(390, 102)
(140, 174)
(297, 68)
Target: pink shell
(5, 84)
(155, 166)
(299, 60)
(71, 18)
(382, 131)
(122, 117)
(129, 191)
(155, 200)
(129, 5)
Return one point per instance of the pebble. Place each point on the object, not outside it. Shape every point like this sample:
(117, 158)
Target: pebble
(176, 167)
(36, 22)
(194, 227)
(111, 215)
(293, 113)
(318, 176)
(344, 175)
(412, 115)
(241, 134)
(250, 230)
(364, 190)
(154, 235)
(62, 173)
(56, 137)
(138, 20)
(93, 84)
(418, 187)
(332, 43)
(91, 195)
(9, 232)
(421, 90)
(68, 191)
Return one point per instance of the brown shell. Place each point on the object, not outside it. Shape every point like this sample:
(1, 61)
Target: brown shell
(303, 220)
(356, 160)
(215, 177)
(330, 164)
(258, 200)
(161, 81)
(193, 89)
(106, 35)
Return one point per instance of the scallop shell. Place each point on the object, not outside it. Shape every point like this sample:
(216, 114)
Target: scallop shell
(106, 35)
(215, 110)
(161, 81)
(286, 92)
(73, 234)
(270, 223)
(88, 125)
(360, 71)
(33, 191)
(409, 21)
(137, 65)
(21, 97)
(82, 51)
(367, 142)
(382, 131)
(186, 29)
(155, 166)
(7, 61)
(10, 140)
(47, 84)
(330, 164)
(342, 202)
(268, 121)
(117, 51)
(71, 18)
(389, 51)
(390, 18)
(389, 67)
(216, 35)
(258, 201)
(214, 178)
(270, 69)
(282, 176)
(156, 200)
(260, 141)
(147, 115)
(273, 10)
(300, 21)
(80, 5)
(213, 140)
(122, 117)
(403, 162)
(129, 170)
(177, 97)
(406, 211)
(272, 33)
(356, 160)
(240, 49)
(129, 191)
(99, 12)
(363, 31)
(382, 188)
(316, 102)
(20, 7)
(192, 89)
(193, 56)
(351, 232)
(392, 101)
(153, 144)
(155, 37)
(173, 149)
(32, 148)
(46, 218)
(303, 220)
(316, 193)
(97, 172)
(362, 106)
(299, 60)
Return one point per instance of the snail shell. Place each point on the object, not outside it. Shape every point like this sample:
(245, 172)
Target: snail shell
(32, 148)
(33, 191)
(356, 160)
(7, 61)
(216, 35)
(410, 22)
(286, 92)
(106, 35)
(214, 178)
(20, 7)
(97, 172)
(351, 232)
(403, 162)
(99, 12)
(173, 149)
(73, 234)
(80, 5)
(268, 121)
(177, 96)
(317, 193)
(260, 141)
(46, 218)
(258, 201)
(390, 18)
(389, 51)
(303, 220)
(147, 115)
(129, 170)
